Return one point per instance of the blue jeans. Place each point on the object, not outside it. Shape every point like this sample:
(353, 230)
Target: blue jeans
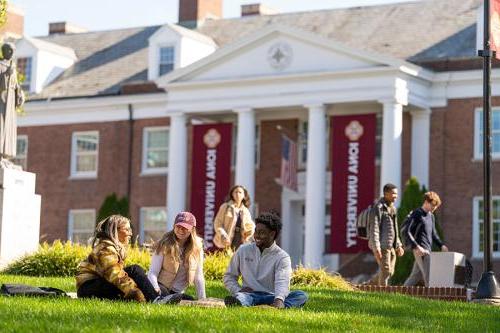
(295, 299)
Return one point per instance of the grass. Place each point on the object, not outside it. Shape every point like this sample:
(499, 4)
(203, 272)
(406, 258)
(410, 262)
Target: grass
(327, 310)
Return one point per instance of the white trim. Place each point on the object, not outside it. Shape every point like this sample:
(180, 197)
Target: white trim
(308, 37)
(71, 214)
(74, 174)
(142, 211)
(144, 169)
(476, 254)
(478, 154)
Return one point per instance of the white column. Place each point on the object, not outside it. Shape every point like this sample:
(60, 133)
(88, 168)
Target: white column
(177, 167)
(245, 150)
(314, 246)
(420, 138)
(392, 131)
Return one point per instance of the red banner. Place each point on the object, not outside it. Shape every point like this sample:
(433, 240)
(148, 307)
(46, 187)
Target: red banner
(210, 175)
(495, 26)
(353, 178)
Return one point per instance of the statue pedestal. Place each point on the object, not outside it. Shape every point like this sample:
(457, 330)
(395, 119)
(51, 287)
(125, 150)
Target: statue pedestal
(19, 214)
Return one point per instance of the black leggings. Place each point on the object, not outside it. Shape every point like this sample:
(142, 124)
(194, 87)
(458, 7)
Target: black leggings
(101, 288)
(165, 292)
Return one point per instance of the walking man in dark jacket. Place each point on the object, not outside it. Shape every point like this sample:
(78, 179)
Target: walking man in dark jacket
(421, 234)
(383, 237)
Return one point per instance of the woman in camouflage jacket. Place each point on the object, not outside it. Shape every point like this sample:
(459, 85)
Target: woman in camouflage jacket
(103, 275)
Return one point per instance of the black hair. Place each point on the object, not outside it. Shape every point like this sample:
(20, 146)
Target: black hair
(389, 187)
(272, 221)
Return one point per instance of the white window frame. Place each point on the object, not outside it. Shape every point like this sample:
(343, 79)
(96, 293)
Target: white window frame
(478, 153)
(23, 157)
(164, 46)
(71, 214)
(142, 211)
(475, 229)
(145, 170)
(83, 174)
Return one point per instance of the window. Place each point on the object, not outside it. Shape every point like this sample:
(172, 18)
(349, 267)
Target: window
(478, 134)
(166, 63)
(478, 227)
(24, 68)
(302, 142)
(155, 150)
(84, 154)
(81, 225)
(153, 224)
(302, 146)
(21, 152)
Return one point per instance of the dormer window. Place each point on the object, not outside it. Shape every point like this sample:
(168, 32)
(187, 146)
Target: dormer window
(24, 68)
(166, 60)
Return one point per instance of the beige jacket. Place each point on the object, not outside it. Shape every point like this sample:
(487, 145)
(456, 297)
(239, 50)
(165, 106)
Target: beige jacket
(225, 222)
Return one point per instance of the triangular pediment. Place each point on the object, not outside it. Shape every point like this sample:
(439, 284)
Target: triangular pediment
(277, 51)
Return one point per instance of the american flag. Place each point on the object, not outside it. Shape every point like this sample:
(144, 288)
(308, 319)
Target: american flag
(288, 163)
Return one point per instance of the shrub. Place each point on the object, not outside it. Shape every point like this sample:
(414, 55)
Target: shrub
(215, 265)
(62, 259)
(113, 205)
(58, 259)
(318, 278)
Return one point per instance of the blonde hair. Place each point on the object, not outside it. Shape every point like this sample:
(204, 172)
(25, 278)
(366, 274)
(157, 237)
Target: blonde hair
(432, 198)
(168, 246)
(108, 229)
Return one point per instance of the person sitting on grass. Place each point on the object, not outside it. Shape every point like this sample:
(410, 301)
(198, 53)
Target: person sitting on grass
(178, 260)
(103, 275)
(265, 270)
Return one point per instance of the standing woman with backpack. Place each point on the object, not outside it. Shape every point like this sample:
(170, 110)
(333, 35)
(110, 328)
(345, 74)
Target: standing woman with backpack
(233, 223)
(103, 275)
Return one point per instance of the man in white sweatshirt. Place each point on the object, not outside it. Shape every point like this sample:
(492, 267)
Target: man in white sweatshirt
(265, 270)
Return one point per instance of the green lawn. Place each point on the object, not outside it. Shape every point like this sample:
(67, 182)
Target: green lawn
(327, 310)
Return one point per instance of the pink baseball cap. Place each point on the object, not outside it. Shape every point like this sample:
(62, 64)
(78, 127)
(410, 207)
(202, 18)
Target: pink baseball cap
(186, 220)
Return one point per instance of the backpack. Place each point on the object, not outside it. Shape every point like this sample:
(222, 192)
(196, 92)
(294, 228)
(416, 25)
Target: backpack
(26, 290)
(364, 222)
(405, 229)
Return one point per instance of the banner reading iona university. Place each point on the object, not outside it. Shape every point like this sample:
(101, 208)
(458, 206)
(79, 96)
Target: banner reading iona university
(210, 175)
(353, 178)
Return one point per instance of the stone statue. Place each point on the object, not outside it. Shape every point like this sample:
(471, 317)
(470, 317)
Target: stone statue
(11, 98)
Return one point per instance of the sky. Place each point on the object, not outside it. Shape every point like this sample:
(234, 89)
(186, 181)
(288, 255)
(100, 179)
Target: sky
(115, 14)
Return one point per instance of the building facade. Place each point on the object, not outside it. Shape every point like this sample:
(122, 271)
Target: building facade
(114, 112)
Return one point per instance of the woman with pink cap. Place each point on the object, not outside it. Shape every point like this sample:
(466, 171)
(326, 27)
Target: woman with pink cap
(177, 260)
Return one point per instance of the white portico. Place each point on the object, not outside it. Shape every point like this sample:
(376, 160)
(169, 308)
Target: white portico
(283, 73)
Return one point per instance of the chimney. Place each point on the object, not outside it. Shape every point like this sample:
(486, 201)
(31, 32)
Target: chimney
(64, 28)
(14, 25)
(257, 9)
(192, 13)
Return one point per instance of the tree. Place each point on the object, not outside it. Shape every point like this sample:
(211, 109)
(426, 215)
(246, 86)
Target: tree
(411, 200)
(113, 205)
(3, 12)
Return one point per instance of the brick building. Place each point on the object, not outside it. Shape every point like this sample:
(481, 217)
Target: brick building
(113, 111)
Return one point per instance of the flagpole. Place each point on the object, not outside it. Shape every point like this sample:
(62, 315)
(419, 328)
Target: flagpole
(487, 287)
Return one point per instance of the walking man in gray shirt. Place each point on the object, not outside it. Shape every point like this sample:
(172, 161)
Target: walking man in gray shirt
(265, 270)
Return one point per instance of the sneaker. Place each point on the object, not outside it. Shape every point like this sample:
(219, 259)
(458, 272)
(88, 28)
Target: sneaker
(232, 301)
(169, 299)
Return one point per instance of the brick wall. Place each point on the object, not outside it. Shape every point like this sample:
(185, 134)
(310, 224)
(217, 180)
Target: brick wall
(436, 293)
(191, 11)
(49, 154)
(455, 175)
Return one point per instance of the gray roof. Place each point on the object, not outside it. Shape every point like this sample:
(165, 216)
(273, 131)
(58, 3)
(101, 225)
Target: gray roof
(417, 31)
